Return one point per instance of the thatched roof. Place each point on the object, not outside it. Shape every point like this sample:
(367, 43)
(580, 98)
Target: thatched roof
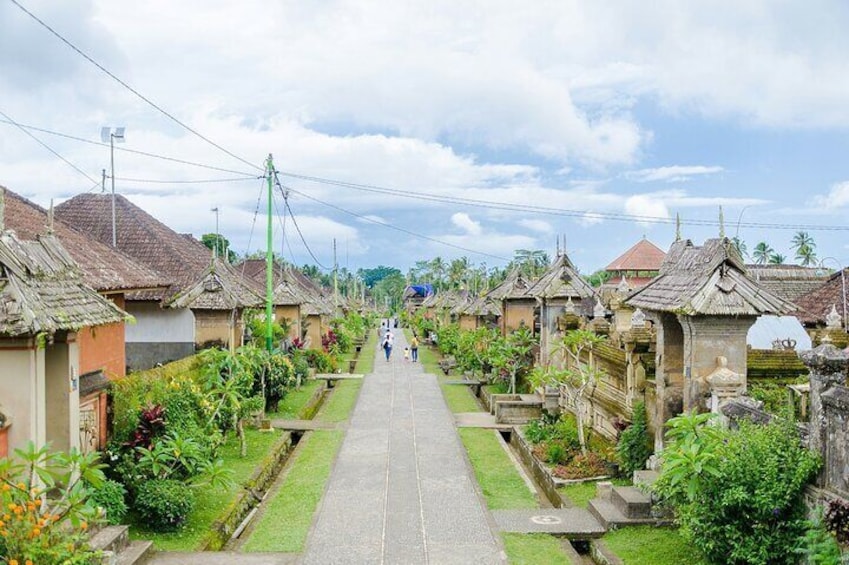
(178, 257)
(707, 280)
(42, 290)
(103, 268)
(481, 306)
(291, 287)
(789, 282)
(220, 287)
(514, 286)
(813, 307)
(561, 280)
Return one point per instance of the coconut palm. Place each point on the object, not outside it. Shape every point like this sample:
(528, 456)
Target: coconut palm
(531, 262)
(806, 255)
(740, 246)
(762, 253)
(801, 239)
(437, 271)
(777, 259)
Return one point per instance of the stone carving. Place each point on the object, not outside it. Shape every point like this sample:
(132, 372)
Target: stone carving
(598, 310)
(570, 306)
(725, 385)
(623, 287)
(832, 319)
(638, 319)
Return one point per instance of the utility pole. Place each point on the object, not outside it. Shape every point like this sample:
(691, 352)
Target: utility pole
(103, 182)
(113, 136)
(269, 260)
(335, 281)
(217, 233)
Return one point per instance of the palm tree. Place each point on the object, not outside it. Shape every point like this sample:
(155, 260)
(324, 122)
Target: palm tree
(740, 246)
(531, 262)
(762, 253)
(458, 272)
(777, 259)
(802, 239)
(437, 270)
(806, 255)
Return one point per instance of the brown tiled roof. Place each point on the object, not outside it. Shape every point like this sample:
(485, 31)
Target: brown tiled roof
(103, 267)
(642, 256)
(183, 260)
(789, 282)
(709, 280)
(561, 280)
(813, 307)
(42, 290)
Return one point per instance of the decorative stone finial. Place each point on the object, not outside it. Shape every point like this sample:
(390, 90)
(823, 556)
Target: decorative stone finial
(50, 218)
(638, 319)
(623, 286)
(721, 224)
(677, 226)
(598, 310)
(2, 208)
(826, 358)
(570, 306)
(832, 320)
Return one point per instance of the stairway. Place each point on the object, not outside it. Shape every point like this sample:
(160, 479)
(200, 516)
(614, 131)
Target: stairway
(622, 506)
(114, 542)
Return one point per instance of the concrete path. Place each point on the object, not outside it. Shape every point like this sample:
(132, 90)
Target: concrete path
(573, 523)
(221, 558)
(401, 490)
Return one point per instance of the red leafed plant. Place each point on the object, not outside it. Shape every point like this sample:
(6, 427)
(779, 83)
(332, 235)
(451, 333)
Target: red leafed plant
(151, 424)
(328, 340)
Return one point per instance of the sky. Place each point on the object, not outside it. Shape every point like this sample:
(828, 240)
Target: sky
(595, 123)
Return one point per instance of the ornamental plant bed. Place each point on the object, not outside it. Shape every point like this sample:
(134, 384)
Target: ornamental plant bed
(572, 465)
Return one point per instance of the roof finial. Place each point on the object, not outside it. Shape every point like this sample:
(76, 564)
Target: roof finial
(50, 218)
(677, 226)
(558, 245)
(721, 224)
(2, 208)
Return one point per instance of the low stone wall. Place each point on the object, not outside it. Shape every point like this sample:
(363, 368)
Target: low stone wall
(222, 529)
(516, 410)
(314, 403)
(601, 555)
(543, 478)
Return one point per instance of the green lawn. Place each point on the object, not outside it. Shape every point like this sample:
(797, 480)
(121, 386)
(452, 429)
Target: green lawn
(580, 494)
(534, 549)
(291, 406)
(648, 545)
(210, 503)
(460, 399)
(499, 479)
(340, 401)
(286, 521)
(365, 362)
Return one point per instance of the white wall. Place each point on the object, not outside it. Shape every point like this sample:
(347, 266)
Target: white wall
(159, 325)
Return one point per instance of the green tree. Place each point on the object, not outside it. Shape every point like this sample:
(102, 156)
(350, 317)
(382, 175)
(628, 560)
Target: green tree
(438, 270)
(458, 272)
(777, 259)
(531, 262)
(740, 246)
(806, 255)
(762, 253)
(219, 244)
(374, 275)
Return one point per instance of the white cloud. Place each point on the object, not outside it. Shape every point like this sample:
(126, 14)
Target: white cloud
(647, 208)
(674, 173)
(540, 226)
(837, 197)
(590, 219)
(465, 222)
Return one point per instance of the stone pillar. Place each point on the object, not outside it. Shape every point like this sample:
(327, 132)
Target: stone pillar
(828, 366)
(725, 385)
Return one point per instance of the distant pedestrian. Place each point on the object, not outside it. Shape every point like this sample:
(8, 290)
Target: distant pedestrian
(387, 344)
(414, 348)
(406, 354)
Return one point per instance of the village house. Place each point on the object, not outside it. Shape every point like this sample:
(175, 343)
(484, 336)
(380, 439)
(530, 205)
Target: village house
(44, 304)
(480, 312)
(102, 354)
(823, 310)
(638, 265)
(175, 322)
(517, 308)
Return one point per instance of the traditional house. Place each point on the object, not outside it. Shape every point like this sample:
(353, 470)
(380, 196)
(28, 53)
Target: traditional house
(638, 265)
(823, 311)
(480, 312)
(702, 305)
(789, 282)
(415, 295)
(44, 303)
(517, 308)
(164, 330)
(563, 297)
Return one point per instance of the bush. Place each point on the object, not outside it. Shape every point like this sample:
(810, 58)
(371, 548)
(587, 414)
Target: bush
(110, 497)
(582, 467)
(319, 360)
(738, 495)
(556, 454)
(635, 444)
(164, 504)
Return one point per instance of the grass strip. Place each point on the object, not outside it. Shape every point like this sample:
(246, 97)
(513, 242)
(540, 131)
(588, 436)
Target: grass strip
(210, 503)
(649, 545)
(287, 517)
(497, 476)
(580, 494)
(340, 402)
(365, 362)
(290, 407)
(459, 398)
(533, 549)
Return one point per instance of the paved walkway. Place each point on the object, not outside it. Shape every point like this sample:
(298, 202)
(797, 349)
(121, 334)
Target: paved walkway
(401, 490)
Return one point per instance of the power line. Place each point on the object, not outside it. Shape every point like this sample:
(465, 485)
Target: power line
(298, 229)
(402, 230)
(131, 89)
(128, 150)
(188, 181)
(53, 151)
(621, 217)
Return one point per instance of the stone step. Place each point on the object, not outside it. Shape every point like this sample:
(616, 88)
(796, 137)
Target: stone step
(631, 502)
(111, 538)
(137, 553)
(645, 478)
(609, 516)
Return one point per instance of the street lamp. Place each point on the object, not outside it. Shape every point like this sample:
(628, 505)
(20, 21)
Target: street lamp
(842, 285)
(107, 134)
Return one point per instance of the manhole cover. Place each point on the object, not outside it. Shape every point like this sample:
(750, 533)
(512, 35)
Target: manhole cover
(546, 520)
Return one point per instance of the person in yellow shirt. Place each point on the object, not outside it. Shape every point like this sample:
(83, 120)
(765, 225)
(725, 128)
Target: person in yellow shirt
(414, 348)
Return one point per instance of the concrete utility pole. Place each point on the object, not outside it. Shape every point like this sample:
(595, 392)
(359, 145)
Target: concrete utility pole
(113, 136)
(217, 233)
(269, 260)
(335, 281)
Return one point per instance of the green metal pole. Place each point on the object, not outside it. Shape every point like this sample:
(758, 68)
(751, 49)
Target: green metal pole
(269, 261)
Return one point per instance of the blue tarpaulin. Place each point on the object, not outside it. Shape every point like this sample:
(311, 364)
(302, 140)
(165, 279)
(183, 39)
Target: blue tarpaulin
(424, 290)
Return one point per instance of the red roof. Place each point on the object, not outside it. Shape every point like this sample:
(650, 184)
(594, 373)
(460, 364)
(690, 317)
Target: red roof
(643, 256)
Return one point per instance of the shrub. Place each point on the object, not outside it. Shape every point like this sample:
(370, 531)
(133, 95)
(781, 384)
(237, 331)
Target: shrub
(321, 361)
(538, 431)
(164, 504)
(110, 497)
(819, 546)
(634, 444)
(582, 467)
(738, 495)
(555, 454)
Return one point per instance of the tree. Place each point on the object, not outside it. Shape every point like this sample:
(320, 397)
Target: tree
(531, 263)
(762, 253)
(437, 271)
(373, 276)
(458, 272)
(219, 244)
(740, 246)
(777, 259)
(806, 255)
(802, 239)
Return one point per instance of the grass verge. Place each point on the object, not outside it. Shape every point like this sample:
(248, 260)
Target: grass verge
(286, 520)
(497, 476)
(340, 402)
(210, 503)
(290, 407)
(648, 545)
(533, 549)
(365, 362)
(460, 399)
(579, 494)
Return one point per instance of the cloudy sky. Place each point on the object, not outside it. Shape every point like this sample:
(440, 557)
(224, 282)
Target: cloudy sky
(578, 118)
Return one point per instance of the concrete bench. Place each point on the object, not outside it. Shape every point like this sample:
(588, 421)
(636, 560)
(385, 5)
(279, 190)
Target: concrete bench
(330, 379)
(475, 384)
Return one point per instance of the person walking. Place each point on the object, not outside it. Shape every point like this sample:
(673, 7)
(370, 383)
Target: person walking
(387, 344)
(414, 348)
